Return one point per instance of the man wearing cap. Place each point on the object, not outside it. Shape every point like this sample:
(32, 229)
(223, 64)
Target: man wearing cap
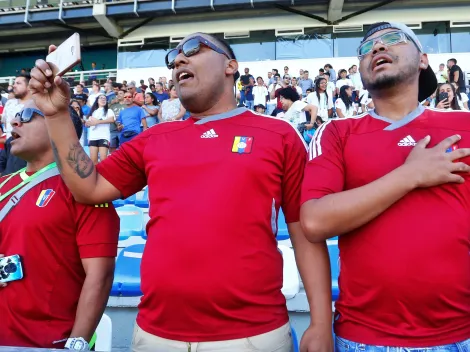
(211, 281)
(394, 185)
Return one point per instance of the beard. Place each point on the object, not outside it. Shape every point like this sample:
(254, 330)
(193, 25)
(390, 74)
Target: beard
(389, 80)
(19, 95)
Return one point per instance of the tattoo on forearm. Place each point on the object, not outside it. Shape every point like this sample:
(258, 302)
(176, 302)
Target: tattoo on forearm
(79, 161)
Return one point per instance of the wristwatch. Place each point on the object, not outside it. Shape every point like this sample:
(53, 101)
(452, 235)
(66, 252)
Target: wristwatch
(77, 344)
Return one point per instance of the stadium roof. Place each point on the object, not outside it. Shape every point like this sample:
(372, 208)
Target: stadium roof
(104, 23)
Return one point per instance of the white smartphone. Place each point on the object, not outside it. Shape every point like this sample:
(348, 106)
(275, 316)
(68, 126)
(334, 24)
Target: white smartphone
(66, 56)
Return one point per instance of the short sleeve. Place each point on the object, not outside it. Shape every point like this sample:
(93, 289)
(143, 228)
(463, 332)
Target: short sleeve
(97, 230)
(324, 173)
(340, 105)
(312, 99)
(295, 151)
(125, 168)
(338, 84)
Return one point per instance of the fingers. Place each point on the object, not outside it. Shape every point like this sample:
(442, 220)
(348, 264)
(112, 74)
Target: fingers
(454, 178)
(459, 154)
(52, 48)
(448, 142)
(423, 142)
(44, 67)
(460, 167)
(2, 284)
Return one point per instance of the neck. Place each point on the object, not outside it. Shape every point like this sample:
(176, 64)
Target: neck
(226, 103)
(397, 102)
(39, 163)
(26, 98)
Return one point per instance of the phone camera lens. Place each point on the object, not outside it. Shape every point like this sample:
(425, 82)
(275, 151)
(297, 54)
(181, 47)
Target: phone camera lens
(10, 268)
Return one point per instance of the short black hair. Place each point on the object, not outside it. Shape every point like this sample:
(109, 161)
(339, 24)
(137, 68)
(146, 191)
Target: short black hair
(326, 74)
(277, 75)
(321, 70)
(77, 122)
(257, 78)
(453, 60)
(328, 65)
(26, 76)
(289, 94)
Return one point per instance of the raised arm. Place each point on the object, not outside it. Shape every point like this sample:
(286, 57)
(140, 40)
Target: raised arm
(52, 95)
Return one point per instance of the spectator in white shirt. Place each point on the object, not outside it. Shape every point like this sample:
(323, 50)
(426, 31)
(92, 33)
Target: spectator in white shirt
(344, 104)
(356, 80)
(99, 133)
(441, 75)
(320, 98)
(330, 86)
(13, 106)
(295, 84)
(343, 81)
(366, 102)
(95, 92)
(260, 92)
(294, 108)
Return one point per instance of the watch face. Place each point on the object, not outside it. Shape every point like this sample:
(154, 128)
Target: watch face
(78, 345)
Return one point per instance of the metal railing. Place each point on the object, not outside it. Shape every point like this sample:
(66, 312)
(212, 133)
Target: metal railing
(76, 76)
(18, 6)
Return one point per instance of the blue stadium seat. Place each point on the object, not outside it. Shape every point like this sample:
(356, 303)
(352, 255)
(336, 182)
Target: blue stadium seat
(127, 273)
(295, 340)
(130, 199)
(282, 233)
(142, 199)
(333, 251)
(132, 221)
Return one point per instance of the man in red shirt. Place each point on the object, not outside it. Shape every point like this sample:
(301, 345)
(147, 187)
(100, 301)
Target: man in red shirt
(394, 184)
(211, 271)
(67, 249)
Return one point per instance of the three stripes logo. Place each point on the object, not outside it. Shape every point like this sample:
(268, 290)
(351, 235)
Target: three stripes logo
(210, 134)
(407, 142)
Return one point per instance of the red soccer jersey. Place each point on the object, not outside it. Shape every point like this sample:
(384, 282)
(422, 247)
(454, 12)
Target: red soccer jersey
(51, 233)
(405, 276)
(211, 269)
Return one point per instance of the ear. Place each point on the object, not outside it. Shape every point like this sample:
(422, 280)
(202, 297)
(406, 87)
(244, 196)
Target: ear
(232, 67)
(424, 62)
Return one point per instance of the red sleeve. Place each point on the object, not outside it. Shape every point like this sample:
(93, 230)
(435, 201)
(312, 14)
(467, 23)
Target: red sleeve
(295, 153)
(324, 173)
(125, 168)
(97, 230)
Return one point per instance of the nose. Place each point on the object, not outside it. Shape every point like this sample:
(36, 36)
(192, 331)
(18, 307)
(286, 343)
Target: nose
(180, 59)
(378, 47)
(16, 122)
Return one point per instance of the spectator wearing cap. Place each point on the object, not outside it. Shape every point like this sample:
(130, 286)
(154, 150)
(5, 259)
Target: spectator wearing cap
(305, 83)
(393, 185)
(67, 249)
(138, 98)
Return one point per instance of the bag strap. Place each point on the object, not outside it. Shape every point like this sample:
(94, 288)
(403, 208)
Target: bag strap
(15, 198)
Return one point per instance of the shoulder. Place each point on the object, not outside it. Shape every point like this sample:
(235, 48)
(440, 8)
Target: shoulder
(449, 119)
(270, 124)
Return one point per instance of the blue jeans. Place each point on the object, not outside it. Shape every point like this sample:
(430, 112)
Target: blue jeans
(343, 345)
(250, 104)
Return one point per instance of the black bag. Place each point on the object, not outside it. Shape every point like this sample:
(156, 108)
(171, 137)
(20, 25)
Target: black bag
(128, 134)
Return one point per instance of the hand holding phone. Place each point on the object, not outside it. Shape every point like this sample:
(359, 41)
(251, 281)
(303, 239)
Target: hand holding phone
(443, 96)
(66, 55)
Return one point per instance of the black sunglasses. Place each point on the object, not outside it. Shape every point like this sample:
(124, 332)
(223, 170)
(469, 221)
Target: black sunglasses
(190, 48)
(27, 114)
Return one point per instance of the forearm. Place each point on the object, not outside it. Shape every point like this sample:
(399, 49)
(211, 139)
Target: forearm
(91, 306)
(343, 212)
(314, 267)
(76, 168)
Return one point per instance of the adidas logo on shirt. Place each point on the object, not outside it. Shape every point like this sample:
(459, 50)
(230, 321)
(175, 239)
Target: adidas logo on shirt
(209, 134)
(407, 142)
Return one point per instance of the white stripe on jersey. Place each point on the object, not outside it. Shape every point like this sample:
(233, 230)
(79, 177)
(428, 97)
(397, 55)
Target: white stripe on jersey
(315, 148)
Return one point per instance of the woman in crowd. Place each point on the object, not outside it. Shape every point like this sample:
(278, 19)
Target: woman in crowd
(344, 104)
(75, 106)
(449, 103)
(151, 110)
(463, 97)
(171, 109)
(343, 81)
(320, 98)
(99, 133)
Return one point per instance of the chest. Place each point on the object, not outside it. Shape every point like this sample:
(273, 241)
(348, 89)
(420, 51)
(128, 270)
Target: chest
(215, 156)
(370, 156)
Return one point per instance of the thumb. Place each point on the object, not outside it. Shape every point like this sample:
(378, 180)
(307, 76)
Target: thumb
(52, 48)
(63, 86)
(423, 143)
